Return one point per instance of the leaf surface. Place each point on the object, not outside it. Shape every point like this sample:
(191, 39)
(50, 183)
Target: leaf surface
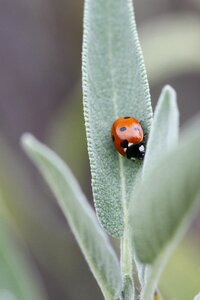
(167, 198)
(114, 85)
(165, 129)
(18, 279)
(162, 138)
(82, 220)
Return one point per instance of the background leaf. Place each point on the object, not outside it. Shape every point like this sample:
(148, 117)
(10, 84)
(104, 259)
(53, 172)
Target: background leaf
(18, 279)
(197, 297)
(185, 257)
(166, 197)
(114, 84)
(82, 220)
(171, 29)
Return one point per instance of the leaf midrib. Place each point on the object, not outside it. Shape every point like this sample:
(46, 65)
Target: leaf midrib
(126, 265)
(114, 97)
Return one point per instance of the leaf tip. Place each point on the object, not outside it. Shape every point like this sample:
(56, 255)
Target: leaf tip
(168, 98)
(26, 140)
(169, 90)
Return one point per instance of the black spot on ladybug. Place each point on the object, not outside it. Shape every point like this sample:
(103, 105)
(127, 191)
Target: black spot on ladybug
(126, 117)
(113, 138)
(124, 144)
(122, 129)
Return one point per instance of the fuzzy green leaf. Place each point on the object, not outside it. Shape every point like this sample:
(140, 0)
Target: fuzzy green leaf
(165, 129)
(18, 281)
(114, 85)
(162, 138)
(166, 198)
(82, 220)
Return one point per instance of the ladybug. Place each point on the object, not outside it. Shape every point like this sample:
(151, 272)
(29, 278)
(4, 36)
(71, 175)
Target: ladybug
(128, 138)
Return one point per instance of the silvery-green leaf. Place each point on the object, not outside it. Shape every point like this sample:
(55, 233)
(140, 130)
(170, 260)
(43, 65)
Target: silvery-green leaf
(164, 131)
(82, 220)
(163, 137)
(197, 297)
(18, 280)
(167, 197)
(151, 277)
(166, 200)
(114, 85)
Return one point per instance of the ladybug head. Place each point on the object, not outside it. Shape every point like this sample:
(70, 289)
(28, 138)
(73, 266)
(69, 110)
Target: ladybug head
(135, 151)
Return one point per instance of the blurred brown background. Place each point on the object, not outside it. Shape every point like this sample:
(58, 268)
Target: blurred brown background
(40, 92)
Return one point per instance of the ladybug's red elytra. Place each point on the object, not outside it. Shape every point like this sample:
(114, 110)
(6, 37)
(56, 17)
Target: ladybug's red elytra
(128, 138)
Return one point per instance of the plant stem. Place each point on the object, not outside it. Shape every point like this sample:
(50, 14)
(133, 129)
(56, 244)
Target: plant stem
(126, 255)
(126, 248)
(126, 264)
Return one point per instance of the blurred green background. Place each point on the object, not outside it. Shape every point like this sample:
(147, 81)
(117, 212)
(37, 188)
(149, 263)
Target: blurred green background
(40, 92)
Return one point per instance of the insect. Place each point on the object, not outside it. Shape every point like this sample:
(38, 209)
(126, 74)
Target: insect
(128, 138)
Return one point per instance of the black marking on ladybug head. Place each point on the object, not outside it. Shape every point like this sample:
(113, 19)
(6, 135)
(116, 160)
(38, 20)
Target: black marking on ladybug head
(126, 117)
(122, 129)
(136, 151)
(124, 144)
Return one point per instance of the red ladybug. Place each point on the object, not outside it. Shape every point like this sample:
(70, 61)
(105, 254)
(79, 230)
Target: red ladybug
(128, 138)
